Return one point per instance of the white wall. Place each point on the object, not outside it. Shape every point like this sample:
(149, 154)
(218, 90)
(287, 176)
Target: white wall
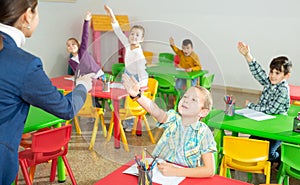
(270, 27)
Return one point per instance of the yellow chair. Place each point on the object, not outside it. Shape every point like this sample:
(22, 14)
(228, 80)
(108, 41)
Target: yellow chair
(247, 155)
(133, 110)
(90, 111)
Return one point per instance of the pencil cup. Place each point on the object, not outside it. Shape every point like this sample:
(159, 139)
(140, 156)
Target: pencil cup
(145, 177)
(229, 110)
(106, 86)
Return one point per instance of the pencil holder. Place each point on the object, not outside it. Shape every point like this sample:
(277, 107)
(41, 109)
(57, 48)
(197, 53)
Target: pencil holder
(106, 86)
(229, 110)
(145, 177)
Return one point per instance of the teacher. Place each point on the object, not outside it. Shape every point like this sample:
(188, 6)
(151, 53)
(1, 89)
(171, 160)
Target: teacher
(23, 82)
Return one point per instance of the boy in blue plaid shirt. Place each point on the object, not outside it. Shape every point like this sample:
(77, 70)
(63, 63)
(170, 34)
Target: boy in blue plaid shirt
(275, 98)
(186, 140)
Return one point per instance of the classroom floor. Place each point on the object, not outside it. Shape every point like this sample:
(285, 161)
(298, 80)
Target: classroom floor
(91, 165)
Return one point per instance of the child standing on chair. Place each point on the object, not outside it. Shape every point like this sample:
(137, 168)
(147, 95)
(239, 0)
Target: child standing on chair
(188, 60)
(275, 97)
(135, 62)
(81, 60)
(186, 140)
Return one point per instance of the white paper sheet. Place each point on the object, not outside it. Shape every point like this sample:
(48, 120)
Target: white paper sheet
(157, 177)
(117, 85)
(252, 114)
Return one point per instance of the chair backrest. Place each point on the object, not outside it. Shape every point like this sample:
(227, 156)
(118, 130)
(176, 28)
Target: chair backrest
(49, 144)
(166, 84)
(166, 57)
(152, 88)
(207, 80)
(117, 69)
(88, 108)
(289, 156)
(245, 149)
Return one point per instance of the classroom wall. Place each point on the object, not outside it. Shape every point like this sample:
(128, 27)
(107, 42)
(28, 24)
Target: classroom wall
(270, 27)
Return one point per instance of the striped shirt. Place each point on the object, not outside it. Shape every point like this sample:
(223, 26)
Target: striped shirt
(275, 98)
(184, 146)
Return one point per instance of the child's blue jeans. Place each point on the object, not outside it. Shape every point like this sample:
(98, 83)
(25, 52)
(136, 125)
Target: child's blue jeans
(181, 82)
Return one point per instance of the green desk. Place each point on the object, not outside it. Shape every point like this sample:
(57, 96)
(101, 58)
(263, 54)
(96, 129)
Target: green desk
(37, 119)
(279, 128)
(169, 69)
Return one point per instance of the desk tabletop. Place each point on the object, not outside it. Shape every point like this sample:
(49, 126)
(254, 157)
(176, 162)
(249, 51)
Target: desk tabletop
(278, 128)
(38, 119)
(169, 69)
(117, 177)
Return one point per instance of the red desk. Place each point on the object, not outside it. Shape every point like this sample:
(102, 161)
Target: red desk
(294, 92)
(114, 94)
(117, 177)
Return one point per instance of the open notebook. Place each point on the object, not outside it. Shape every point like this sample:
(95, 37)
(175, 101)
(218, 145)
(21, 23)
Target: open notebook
(157, 176)
(253, 114)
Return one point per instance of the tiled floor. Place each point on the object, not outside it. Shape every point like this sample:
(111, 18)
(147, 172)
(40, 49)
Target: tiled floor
(91, 165)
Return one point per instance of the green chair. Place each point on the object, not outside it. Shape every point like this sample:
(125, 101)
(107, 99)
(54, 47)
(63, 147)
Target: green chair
(117, 71)
(207, 80)
(166, 57)
(290, 163)
(166, 86)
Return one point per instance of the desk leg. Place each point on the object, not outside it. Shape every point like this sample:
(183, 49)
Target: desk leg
(188, 83)
(139, 126)
(61, 172)
(116, 124)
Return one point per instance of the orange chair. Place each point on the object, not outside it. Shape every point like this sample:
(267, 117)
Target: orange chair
(47, 145)
(247, 155)
(90, 111)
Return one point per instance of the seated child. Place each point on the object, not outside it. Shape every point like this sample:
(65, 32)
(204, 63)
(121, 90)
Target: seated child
(135, 62)
(81, 59)
(275, 97)
(186, 140)
(188, 60)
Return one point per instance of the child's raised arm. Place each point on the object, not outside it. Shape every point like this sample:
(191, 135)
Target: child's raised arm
(88, 16)
(133, 88)
(110, 13)
(171, 40)
(245, 51)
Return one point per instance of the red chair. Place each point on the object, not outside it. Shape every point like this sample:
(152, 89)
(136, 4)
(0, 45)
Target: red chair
(47, 145)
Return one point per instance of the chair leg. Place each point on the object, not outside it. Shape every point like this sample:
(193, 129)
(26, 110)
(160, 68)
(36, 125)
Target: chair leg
(103, 126)
(77, 127)
(123, 137)
(94, 133)
(69, 170)
(31, 172)
(148, 129)
(111, 126)
(133, 132)
(53, 170)
(25, 172)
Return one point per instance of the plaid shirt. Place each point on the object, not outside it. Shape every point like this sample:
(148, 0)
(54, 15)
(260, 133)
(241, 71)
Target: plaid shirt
(274, 99)
(196, 141)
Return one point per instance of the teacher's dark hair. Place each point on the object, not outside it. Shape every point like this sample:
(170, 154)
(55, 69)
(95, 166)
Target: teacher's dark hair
(12, 10)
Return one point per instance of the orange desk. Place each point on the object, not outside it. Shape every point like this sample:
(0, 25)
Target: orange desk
(115, 95)
(117, 177)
